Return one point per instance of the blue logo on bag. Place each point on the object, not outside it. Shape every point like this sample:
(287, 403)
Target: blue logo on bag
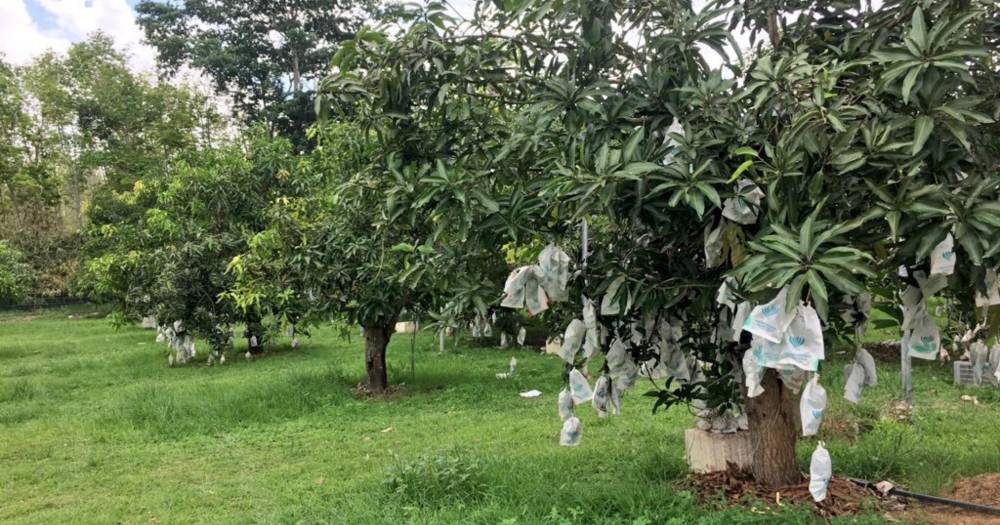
(947, 255)
(770, 311)
(817, 413)
(927, 339)
(797, 340)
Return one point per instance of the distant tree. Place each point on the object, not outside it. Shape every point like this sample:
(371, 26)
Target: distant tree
(333, 253)
(77, 125)
(266, 55)
(162, 248)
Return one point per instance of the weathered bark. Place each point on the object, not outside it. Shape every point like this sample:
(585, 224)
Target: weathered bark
(376, 339)
(774, 430)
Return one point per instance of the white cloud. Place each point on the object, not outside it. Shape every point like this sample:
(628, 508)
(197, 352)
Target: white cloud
(22, 39)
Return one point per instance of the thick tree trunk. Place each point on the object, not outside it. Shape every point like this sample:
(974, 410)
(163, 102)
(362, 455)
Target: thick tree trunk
(376, 339)
(774, 430)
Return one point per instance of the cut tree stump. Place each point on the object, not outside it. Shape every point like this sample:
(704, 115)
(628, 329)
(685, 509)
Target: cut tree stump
(710, 452)
(406, 327)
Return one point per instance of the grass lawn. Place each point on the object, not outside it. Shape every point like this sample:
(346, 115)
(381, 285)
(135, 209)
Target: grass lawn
(96, 428)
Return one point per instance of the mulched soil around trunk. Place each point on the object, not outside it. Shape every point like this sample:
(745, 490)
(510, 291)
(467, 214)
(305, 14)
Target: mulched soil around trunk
(844, 498)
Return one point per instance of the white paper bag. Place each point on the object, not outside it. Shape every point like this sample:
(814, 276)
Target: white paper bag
(995, 362)
(611, 304)
(514, 288)
(535, 299)
(615, 401)
(812, 404)
(801, 346)
(591, 341)
(753, 374)
(554, 264)
(572, 430)
(943, 257)
(992, 285)
(621, 367)
(923, 339)
(725, 295)
(820, 472)
(739, 319)
(579, 388)
(713, 245)
(863, 358)
(792, 377)
(572, 340)
(770, 320)
(855, 382)
(742, 208)
(980, 357)
(565, 405)
(602, 396)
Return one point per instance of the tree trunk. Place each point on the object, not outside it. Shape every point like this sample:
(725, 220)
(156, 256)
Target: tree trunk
(296, 74)
(774, 430)
(376, 339)
(254, 335)
(772, 27)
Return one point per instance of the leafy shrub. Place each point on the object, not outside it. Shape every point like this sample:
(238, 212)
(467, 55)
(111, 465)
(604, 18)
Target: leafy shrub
(16, 276)
(450, 478)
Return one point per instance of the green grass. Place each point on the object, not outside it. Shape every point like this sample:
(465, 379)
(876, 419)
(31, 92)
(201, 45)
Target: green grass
(96, 428)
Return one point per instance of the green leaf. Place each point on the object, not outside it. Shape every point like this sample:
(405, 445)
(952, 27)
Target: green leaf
(841, 280)
(633, 142)
(709, 192)
(816, 286)
(739, 171)
(488, 203)
(892, 55)
(908, 82)
(922, 128)
(918, 29)
(640, 168)
(794, 293)
(970, 242)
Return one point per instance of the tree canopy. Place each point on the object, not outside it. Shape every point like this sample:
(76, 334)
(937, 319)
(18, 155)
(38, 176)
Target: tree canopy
(267, 56)
(853, 145)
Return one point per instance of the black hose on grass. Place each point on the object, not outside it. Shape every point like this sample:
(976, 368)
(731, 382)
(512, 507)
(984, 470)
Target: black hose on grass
(932, 499)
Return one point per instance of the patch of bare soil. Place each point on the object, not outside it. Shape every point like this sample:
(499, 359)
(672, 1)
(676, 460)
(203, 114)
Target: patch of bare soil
(884, 351)
(391, 392)
(982, 490)
(844, 498)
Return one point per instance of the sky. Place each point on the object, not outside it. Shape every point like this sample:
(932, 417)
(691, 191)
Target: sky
(30, 27)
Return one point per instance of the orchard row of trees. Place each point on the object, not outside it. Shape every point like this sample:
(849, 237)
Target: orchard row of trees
(74, 127)
(848, 142)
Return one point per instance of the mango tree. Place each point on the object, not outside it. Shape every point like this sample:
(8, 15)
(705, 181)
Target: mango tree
(163, 247)
(422, 110)
(853, 144)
